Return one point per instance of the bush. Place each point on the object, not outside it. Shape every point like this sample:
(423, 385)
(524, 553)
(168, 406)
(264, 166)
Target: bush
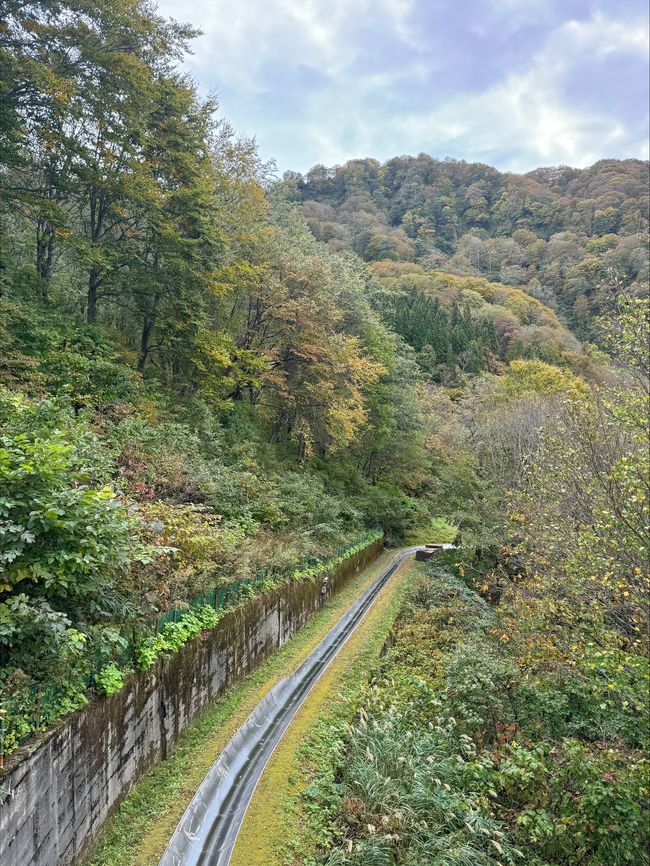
(109, 679)
(573, 805)
(387, 506)
(174, 635)
(63, 533)
(204, 548)
(89, 380)
(478, 692)
(460, 753)
(595, 705)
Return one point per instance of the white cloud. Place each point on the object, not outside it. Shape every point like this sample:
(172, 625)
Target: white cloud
(238, 40)
(601, 36)
(255, 52)
(525, 112)
(512, 15)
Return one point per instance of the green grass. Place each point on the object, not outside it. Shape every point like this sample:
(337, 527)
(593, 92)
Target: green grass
(438, 532)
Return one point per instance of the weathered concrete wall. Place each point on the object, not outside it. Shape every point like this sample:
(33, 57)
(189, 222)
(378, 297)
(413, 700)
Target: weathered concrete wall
(67, 782)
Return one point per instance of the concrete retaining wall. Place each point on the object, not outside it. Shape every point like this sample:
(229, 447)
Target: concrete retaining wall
(67, 782)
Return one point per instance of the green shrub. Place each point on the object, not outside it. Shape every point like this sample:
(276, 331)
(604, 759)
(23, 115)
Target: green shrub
(109, 679)
(174, 635)
(385, 505)
(89, 379)
(461, 754)
(62, 528)
(479, 684)
(328, 565)
(572, 804)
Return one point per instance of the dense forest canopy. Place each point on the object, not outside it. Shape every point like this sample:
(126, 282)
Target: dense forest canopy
(562, 233)
(207, 373)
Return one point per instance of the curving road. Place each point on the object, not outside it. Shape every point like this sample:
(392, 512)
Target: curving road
(208, 830)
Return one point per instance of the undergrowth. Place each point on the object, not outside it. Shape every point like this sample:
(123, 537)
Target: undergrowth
(456, 753)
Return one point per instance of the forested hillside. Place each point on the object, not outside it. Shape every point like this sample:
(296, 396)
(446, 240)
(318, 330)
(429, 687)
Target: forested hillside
(194, 389)
(564, 234)
(207, 374)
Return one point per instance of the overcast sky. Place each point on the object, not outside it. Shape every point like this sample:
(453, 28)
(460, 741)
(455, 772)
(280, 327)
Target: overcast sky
(513, 83)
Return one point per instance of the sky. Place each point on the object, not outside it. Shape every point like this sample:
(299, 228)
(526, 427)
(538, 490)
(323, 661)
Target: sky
(513, 83)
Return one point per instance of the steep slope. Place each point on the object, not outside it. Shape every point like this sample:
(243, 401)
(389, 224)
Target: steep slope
(568, 235)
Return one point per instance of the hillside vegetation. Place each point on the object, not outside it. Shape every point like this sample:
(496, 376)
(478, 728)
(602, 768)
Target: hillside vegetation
(209, 375)
(477, 742)
(566, 235)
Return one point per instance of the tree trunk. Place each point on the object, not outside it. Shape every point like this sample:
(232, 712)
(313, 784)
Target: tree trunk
(302, 448)
(44, 253)
(98, 207)
(94, 279)
(147, 329)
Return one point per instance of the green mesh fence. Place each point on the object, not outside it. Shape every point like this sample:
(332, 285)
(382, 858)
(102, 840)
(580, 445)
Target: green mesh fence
(221, 597)
(31, 707)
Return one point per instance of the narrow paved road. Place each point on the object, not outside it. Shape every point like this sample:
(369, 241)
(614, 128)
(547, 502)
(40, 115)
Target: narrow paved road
(208, 830)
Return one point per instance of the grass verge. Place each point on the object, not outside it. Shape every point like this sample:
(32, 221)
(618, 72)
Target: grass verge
(438, 532)
(275, 825)
(142, 826)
